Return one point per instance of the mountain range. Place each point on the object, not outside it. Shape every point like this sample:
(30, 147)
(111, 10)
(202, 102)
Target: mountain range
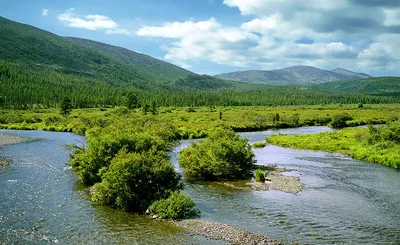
(107, 65)
(296, 75)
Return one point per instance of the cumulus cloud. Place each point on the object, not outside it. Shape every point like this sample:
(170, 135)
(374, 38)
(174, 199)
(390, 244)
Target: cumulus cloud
(202, 40)
(45, 12)
(392, 17)
(91, 22)
(384, 53)
(324, 33)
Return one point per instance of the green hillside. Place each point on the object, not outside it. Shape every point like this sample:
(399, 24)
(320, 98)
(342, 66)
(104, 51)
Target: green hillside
(43, 50)
(38, 69)
(203, 82)
(386, 86)
(158, 69)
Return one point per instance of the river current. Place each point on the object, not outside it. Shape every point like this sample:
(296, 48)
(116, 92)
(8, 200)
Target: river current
(345, 201)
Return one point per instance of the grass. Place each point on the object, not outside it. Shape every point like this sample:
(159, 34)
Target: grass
(259, 144)
(259, 175)
(355, 142)
(196, 122)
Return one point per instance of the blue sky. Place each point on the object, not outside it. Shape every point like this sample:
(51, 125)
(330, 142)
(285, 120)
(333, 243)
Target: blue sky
(215, 36)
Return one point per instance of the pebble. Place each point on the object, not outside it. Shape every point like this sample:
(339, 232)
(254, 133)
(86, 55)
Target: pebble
(8, 139)
(219, 231)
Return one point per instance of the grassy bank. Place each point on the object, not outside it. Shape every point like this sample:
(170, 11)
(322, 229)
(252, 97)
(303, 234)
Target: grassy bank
(378, 145)
(194, 122)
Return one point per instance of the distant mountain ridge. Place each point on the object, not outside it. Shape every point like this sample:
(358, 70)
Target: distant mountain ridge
(295, 75)
(385, 86)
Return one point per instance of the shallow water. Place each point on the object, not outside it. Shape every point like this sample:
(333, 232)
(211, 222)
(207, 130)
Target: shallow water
(41, 202)
(344, 201)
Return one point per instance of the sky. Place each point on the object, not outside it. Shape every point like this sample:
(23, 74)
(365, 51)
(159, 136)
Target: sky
(216, 36)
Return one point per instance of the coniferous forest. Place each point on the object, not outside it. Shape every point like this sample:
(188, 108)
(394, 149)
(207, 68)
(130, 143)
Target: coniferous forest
(25, 88)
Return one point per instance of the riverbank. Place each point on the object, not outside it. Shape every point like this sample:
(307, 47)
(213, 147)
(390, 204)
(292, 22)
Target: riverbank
(8, 139)
(274, 180)
(194, 122)
(219, 231)
(4, 164)
(379, 145)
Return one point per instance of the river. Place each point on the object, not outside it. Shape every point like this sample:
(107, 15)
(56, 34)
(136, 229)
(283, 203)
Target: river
(344, 200)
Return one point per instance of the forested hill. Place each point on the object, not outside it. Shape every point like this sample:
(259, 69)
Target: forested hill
(384, 86)
(296, 75)
(39, 69)
(42, 50)
(159, 69)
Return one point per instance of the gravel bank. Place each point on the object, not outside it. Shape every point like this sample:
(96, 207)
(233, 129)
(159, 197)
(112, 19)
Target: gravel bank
(8, 139)
(279, 182)
(218, 231)
(4, 164)
(274, 181)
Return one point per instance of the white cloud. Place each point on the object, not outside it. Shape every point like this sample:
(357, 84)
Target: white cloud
(354, 34)
(92, 22)
(202, 40)
(392, 17)
(268, 7)
(384, 53)
(239, 46)
(179, 29)
(45, 12)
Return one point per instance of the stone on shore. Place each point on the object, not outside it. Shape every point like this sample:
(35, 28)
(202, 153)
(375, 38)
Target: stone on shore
(219, 231)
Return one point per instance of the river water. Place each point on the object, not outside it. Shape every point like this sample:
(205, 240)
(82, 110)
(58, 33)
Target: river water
(344, 201)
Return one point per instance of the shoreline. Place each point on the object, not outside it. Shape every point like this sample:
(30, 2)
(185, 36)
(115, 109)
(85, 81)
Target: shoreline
(350, 142)
(53, 128)
(274, 180)
(9, 139)
(223, 232)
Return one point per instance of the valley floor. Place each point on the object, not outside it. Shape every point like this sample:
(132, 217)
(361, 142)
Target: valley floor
(194, 122)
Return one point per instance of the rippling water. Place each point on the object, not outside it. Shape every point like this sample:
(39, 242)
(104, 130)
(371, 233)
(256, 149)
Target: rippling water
(344, 201)
(41, 202)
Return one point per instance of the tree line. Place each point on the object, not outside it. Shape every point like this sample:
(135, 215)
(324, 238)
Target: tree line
(25, 88)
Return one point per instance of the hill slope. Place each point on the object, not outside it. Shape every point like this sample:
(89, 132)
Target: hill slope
(39, 49)
(387, 86)
(296, 75)
(159, 69)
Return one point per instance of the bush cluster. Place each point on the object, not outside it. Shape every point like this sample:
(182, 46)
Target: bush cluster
(134, 181)
(128, 166)
(340, 120)
(223, 155)
(176, 206)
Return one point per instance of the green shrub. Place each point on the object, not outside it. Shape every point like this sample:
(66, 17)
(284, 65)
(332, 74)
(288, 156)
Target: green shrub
(102, 149)
(340, 120)
(176, 206)
(259, 144)
(259, 175)
(122, 110)
(223, 155)
(133, 181)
